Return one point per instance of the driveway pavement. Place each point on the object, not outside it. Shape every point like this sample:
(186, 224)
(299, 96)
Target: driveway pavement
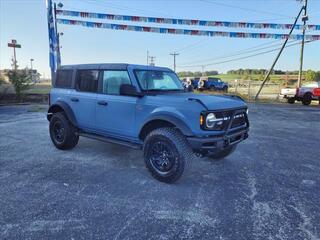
(268, 189)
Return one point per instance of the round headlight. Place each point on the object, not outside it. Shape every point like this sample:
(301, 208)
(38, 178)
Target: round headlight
(210, 120)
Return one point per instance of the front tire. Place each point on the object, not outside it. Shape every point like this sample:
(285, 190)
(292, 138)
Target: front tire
(223, 153)
(62, 133)
(166, 154)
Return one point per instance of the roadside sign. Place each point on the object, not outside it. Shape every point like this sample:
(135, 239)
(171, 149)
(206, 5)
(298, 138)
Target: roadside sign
(14, 41)
(14, 45)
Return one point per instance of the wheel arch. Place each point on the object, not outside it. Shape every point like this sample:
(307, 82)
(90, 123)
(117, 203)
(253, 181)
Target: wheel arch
(61, 106)
(164, 121)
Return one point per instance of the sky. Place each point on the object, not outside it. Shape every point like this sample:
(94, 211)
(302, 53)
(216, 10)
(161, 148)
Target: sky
(26, 21)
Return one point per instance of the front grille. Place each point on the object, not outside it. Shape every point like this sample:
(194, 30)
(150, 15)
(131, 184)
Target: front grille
(239, 119)
(224, 118)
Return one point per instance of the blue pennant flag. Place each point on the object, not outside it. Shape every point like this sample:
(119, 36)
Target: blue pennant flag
(52, 38)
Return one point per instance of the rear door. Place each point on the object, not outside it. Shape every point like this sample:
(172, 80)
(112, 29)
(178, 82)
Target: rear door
(62, 86)
(115, 114)
(83, 98)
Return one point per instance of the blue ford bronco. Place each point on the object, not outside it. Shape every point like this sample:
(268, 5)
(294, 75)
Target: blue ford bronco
(144, 107)
(209, 83)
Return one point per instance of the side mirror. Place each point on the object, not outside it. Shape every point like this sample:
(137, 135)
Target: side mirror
(129, 90)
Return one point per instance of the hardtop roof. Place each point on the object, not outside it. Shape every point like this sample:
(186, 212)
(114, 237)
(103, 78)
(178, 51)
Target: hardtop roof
(113, 66)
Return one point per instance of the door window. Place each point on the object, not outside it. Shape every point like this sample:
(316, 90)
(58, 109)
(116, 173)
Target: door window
(112, 80)
(87, 80)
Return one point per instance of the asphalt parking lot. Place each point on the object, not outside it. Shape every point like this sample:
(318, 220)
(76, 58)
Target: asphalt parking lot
(268, 189)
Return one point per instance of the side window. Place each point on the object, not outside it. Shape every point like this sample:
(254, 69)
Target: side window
(112, 80)
(87, 80)
(63, 79)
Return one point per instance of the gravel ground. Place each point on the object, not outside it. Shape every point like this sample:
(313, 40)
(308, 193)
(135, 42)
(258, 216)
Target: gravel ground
(268, 189)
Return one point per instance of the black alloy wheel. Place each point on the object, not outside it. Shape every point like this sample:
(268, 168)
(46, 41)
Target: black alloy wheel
(162, 157)
(58, 131)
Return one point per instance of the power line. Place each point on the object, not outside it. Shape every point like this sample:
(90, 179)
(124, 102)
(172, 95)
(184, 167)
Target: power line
(241, 58)
(192, 45)
(240, 52)
(121, 7)
(243, 51)
(244, 9)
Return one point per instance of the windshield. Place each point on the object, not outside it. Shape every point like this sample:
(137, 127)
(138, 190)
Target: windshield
(158, 80)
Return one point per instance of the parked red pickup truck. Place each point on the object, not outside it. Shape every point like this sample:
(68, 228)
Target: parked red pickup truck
(305, 94)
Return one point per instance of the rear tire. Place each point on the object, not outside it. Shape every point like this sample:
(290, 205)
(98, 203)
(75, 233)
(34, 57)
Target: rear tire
(222, 154)
(306, 100)
(62, 133)
(166, 154)
(291, 100)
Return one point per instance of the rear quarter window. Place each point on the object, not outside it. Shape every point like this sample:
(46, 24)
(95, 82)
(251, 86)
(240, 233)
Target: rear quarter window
(63, 79)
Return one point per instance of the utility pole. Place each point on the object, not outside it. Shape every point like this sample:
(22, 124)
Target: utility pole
(31, 60)
(174, 54)
(152, 58)
(279, 54)
(304, 19)
(202, 70)
(14, 45)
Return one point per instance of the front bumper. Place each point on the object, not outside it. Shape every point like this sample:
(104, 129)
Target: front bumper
(205, 144)
(231, 135)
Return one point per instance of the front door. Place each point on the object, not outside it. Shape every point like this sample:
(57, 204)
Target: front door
(115, 114)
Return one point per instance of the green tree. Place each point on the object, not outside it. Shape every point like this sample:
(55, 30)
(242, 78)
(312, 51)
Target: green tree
(318, 76)
(20, 79)
(262, 76)
(311, 76)
(245, 77)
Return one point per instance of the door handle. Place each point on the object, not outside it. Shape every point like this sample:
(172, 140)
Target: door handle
(103, 103)
(74, 99)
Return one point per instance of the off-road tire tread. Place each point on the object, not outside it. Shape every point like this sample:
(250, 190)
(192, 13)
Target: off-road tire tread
(182, 146)
(72, 137)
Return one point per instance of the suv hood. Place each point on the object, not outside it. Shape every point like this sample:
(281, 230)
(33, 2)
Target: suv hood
(211, 102)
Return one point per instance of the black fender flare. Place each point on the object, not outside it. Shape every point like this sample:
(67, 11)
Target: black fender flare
(182, 126)
(66, 109)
